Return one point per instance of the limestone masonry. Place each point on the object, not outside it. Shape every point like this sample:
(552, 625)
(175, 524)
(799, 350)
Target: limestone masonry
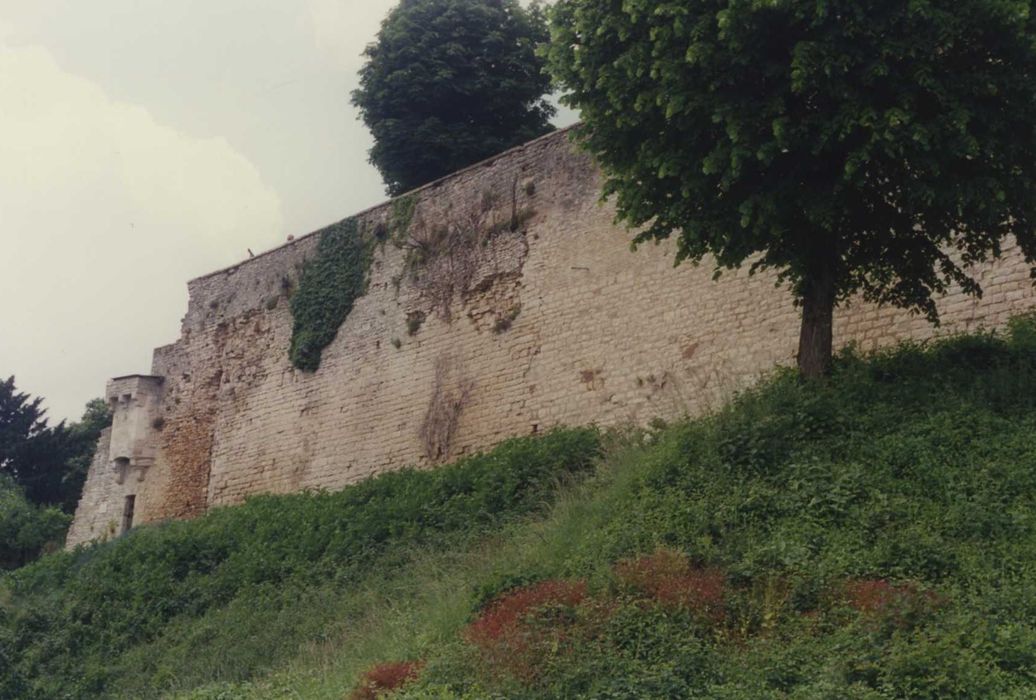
(551, 320)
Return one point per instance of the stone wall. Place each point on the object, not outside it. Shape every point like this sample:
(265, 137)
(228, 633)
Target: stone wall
(550, 320)
(123, 461)
(93, 519)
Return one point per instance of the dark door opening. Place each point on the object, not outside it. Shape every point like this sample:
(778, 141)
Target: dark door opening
(127, 514)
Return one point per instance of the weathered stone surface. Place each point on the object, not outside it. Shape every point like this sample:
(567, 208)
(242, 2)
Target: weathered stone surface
(553, 322)
(123, 461)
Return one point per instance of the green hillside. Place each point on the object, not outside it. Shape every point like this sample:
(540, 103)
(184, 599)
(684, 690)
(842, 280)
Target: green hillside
(873, 536)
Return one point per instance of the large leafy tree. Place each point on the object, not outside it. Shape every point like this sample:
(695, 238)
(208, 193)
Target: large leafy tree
(877, 147)
(449, 83)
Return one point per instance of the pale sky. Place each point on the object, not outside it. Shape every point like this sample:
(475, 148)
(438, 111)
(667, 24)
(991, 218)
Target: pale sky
(146, 142)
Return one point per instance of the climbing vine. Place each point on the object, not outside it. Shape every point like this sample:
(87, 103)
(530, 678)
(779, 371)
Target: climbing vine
(450, 395)
(402, 214)
(330, 284)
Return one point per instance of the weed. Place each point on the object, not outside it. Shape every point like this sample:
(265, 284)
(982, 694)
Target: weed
(414, 321)
(503, 323)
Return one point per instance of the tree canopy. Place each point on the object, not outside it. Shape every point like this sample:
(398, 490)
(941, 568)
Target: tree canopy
(47, 463)
(449, 83)
(876, 147)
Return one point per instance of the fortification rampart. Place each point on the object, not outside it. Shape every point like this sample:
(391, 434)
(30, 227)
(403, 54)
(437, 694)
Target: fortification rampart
(549, 319)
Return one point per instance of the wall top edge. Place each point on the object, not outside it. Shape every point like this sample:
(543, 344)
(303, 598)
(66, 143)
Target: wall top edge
(556, 134)
(138, 376)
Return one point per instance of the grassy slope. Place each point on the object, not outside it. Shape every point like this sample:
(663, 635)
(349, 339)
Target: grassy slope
(912, 474)
(227, 595)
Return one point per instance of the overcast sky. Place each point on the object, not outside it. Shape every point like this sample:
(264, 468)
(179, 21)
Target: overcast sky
(146, 142)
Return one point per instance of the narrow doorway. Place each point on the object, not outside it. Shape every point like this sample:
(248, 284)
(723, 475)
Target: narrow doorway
(127, 514)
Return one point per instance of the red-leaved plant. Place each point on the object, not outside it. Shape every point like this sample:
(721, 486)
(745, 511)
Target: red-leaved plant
(385, 678)
(507, 634)
(668, 577)
(899, 604)
(505, 613)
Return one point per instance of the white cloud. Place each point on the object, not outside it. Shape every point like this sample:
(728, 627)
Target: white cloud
(104, 215)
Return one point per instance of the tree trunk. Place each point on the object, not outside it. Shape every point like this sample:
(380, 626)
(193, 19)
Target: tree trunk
(816, 335)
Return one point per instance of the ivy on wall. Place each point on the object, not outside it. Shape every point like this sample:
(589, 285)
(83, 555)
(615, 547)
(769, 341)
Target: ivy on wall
(402, 215)
(330, 284)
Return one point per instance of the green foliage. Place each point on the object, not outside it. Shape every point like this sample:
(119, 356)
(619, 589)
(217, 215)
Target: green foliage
(74, 620)
(845, 144)
(414, 321)
(26, 529)
(330, 284)
(449, 83)
(49, 463)
(31, 452)
(912, 473)
(871, 537)
(42, 470)
(402, 215)
(82, 438)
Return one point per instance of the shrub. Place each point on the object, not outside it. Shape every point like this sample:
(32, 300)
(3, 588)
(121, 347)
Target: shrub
(382, 679)
(27, 530)
(520, 627)
(506, 613)
(668, 577)
(900, 605)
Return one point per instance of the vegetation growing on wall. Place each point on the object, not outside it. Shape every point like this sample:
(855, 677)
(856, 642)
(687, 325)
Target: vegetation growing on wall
(330, 284)
(401, 215)
(444, 257)
(450, 394)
